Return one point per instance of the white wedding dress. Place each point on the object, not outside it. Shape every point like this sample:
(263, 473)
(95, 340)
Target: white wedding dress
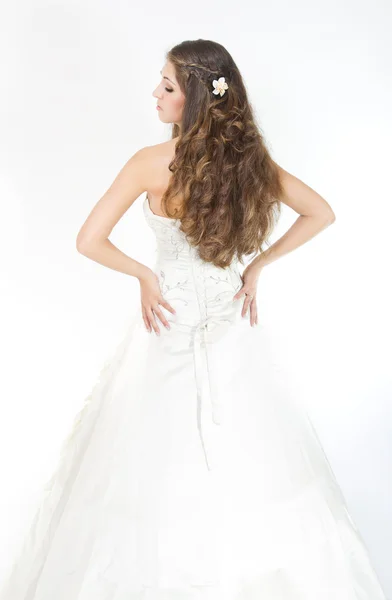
(191, 471)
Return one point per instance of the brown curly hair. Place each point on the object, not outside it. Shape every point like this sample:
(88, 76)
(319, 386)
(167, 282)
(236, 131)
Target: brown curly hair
(222, 170)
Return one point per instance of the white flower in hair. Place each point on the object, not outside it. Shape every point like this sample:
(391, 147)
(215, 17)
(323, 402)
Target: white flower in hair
(220, 86)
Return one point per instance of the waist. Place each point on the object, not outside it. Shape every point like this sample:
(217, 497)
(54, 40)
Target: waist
(197, 288)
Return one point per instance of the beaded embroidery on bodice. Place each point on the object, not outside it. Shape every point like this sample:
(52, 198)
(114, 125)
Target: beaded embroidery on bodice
(186, 278)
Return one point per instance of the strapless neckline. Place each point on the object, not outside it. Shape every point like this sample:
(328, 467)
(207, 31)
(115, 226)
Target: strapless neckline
(147, 202)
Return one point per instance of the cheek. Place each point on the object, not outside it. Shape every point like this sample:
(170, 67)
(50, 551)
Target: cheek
(178, 103)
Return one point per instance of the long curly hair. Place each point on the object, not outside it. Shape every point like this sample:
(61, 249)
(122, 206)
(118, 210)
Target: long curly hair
(228, 184)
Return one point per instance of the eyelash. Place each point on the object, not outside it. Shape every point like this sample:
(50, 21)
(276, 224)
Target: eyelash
(168, 90)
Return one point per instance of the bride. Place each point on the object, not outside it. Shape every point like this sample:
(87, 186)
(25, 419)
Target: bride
(191, 471)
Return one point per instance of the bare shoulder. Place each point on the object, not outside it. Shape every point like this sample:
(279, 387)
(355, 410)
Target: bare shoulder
(148, 159)
(153, 157)
(145, 171)
(161, 152)
(158, 158)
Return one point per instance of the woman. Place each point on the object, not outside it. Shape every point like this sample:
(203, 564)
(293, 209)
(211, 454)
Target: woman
(191, 472)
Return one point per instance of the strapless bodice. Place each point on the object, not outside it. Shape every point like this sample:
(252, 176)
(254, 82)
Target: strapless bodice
(184, 277)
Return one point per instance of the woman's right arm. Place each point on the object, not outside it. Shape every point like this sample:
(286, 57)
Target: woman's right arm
(93, 238)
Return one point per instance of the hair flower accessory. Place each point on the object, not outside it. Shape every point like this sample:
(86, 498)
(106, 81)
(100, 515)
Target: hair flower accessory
(220, 86)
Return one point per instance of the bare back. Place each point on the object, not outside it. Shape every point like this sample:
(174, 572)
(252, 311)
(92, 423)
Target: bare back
(160, 157)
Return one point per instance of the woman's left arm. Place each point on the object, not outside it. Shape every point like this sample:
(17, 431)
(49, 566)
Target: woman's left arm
(315, 214)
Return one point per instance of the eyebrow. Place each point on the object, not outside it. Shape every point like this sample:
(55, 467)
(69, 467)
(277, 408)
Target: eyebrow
(164, 77)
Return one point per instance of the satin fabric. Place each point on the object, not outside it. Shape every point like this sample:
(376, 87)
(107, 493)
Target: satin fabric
(192, 472)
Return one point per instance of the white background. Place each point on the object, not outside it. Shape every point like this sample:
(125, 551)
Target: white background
(76, 103)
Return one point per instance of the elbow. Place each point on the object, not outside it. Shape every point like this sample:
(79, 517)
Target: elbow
(328, 216)
(331, 218)
(88, 245)
(81, 244)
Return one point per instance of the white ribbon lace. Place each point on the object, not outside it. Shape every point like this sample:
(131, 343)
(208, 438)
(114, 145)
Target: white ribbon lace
(210, 408)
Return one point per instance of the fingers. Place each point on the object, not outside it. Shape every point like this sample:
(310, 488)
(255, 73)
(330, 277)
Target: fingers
(167, 306)
(150, 313)
(152, 321)
(253, 312)
(161, 316)
(245, 291)
(145, 319)
(249, 302)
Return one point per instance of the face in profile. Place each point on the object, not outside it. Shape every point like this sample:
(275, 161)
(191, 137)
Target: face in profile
(170, 98)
